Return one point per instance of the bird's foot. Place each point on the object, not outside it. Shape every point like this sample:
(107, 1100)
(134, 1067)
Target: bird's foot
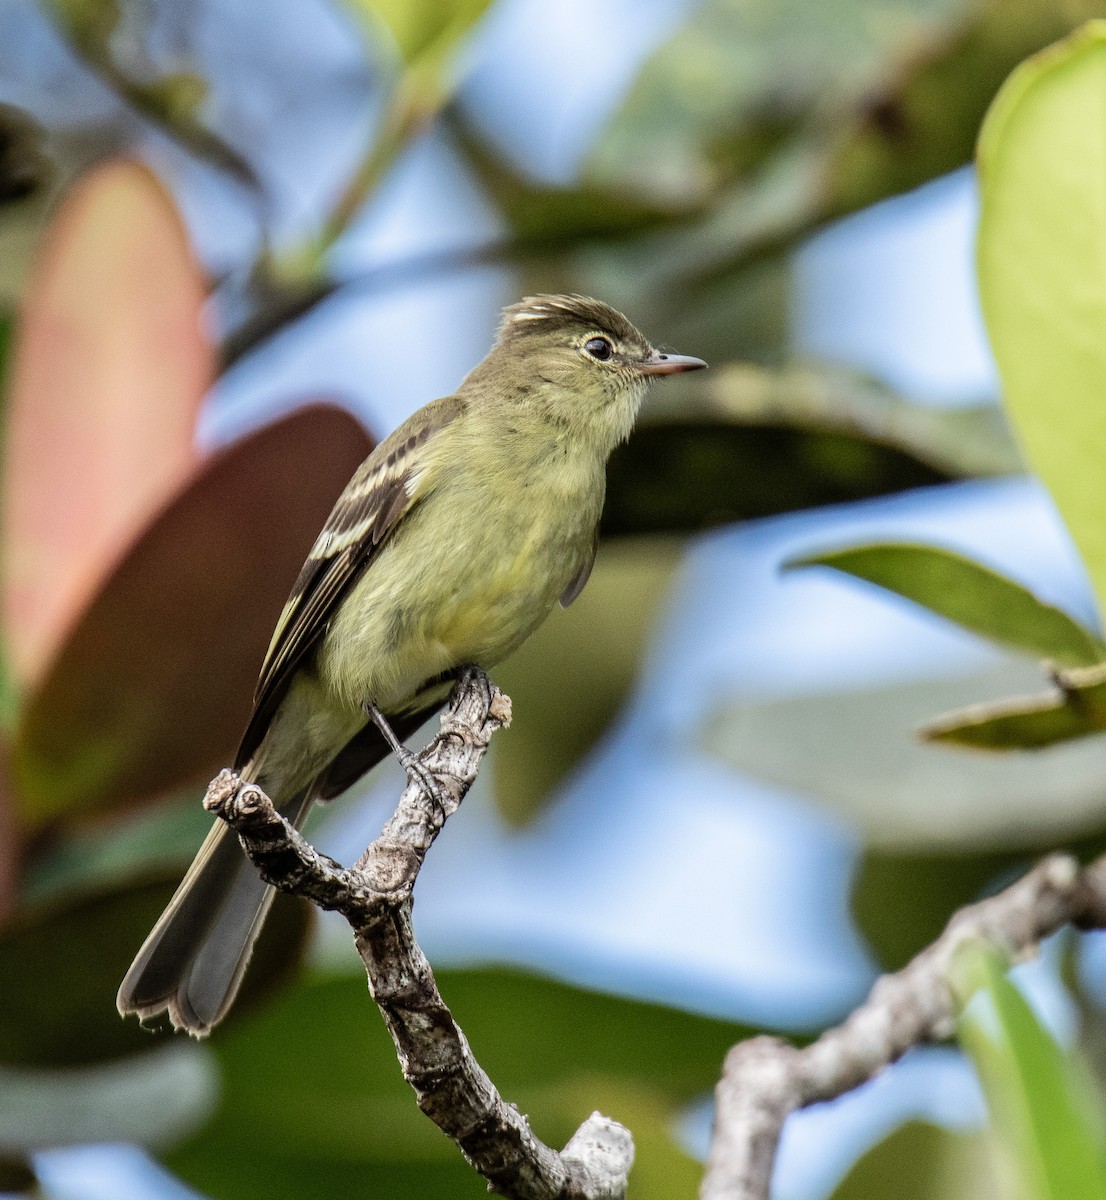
(416, 770)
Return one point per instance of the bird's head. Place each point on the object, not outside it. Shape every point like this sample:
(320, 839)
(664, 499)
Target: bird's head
(577, 361)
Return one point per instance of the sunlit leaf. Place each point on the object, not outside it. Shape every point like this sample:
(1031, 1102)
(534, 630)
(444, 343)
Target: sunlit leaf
(1042, 273)
(110, 366)
(152, 689)
(417, 24)
(60, 967)
(557, 1051)
(969, 593)
(857, 751)
(1046, 1128)
(570, 679)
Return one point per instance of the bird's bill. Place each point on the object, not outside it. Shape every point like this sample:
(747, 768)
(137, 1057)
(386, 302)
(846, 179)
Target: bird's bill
(670, 364)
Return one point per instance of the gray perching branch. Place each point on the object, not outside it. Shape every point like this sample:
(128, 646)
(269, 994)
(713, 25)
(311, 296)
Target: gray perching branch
(374, 895)
(765, 1079)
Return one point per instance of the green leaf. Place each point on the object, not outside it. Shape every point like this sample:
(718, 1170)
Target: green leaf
(557, 1051)
(682, 476)
(1076, 708)
(152, 688)
(857, 752)
(1042, 273)
(416, 25)
(89, 858)
(969, 593)
(925, 1161)
(1047, 1126)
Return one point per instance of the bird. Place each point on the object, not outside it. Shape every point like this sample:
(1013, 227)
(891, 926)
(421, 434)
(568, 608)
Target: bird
(451, 543)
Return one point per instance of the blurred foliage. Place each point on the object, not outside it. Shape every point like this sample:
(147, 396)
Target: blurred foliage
(1047, 1123)
(156, 570)
(89, 739)
(856, 751)
(591, 653)
(902, 896)
(335, 1103)
(24, 166)
(926, 1162)
(1075, 708)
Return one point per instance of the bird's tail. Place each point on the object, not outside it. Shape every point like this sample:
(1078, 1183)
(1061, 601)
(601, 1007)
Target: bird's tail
(193, 961)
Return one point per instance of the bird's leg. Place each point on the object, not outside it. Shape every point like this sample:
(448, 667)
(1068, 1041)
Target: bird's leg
(409, 761)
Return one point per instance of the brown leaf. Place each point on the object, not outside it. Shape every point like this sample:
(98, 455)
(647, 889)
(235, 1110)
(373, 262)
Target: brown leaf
(111, 363)
(152, 689)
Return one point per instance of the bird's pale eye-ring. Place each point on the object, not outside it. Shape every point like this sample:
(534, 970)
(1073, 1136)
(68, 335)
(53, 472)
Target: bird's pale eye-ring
(599, 348)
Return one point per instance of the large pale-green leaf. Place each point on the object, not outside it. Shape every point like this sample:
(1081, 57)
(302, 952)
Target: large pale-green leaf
(1042, 272)
(857, 751)
(1046, 1128)
(971, 594)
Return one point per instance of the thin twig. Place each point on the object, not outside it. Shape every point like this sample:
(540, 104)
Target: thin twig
(375, 897)
(765, 1079)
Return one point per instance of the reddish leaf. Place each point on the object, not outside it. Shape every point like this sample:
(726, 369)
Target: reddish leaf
(153, 687)
(111, 363)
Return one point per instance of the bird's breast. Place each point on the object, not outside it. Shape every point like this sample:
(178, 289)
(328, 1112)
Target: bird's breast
(469, 574)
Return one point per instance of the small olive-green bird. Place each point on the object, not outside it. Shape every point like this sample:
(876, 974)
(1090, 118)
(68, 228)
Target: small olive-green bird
(450, 545)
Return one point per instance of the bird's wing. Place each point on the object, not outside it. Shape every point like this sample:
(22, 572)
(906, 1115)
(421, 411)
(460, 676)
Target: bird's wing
(382, 491)
(583, 573)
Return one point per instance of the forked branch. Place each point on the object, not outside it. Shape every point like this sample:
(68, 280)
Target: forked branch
(374, 895)
(765, 1079)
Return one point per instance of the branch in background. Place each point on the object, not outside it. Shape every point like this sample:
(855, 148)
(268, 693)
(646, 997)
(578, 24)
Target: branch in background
(171, 101)
(765, 1079)
(375, 897)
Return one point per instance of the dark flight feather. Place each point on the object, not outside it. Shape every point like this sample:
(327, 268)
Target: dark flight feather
(374, 502)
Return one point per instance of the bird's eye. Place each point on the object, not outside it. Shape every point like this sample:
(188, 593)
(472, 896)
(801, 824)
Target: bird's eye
(599, 347)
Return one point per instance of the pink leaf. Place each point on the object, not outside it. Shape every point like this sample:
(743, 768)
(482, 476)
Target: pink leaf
(110, 365)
